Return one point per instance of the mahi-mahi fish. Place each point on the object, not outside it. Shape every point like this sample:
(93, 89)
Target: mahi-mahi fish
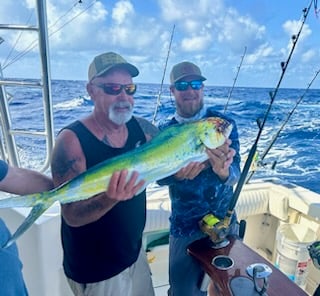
(164, 155)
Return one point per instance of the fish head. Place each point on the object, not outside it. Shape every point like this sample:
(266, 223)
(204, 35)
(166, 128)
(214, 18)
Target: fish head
(214, 131)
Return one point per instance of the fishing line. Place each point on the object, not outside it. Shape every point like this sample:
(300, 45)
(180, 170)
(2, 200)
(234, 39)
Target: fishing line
(34, 43)
(235, 80)
(77, 15)
(274, 138)
(14, 45)
(261, 123)
(65, 14)
(163, 76)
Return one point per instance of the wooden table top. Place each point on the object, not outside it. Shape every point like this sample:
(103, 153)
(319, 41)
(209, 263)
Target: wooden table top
(243, 256)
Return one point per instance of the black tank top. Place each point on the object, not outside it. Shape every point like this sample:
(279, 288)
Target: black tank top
(104, 248)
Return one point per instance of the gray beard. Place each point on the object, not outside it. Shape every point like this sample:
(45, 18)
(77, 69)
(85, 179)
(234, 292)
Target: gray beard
(121, 118)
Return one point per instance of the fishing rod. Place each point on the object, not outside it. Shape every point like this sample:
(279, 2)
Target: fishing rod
(235, 80)
(218, 229)
(164, 74)
(261, 124)
(316, 10)
(274, 138)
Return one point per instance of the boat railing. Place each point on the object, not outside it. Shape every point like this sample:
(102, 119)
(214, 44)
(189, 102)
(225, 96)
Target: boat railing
(8, 147)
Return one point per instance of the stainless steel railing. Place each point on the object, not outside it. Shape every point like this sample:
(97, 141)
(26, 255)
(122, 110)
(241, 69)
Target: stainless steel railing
(8, 147)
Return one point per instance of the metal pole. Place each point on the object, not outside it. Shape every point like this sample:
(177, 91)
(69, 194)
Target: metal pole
(46, 78)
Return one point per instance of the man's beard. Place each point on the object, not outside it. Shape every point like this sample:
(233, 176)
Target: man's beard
(187, 110)
(120, 118)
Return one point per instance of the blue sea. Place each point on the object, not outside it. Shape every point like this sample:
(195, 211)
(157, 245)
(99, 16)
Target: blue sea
(294, 157)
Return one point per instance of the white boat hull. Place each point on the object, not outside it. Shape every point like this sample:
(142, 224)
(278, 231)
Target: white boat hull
(264, 205)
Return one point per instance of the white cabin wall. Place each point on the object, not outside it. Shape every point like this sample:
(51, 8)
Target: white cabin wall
(260, 234)
(313, 279)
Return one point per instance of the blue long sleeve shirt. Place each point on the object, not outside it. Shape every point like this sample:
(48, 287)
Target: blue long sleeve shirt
(11, 278)
(193, 199)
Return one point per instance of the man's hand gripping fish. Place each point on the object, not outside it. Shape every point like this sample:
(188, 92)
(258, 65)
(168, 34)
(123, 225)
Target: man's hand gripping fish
(164, 155)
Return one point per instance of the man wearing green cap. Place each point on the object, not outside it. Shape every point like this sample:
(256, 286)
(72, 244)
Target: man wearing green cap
(199, 188)
(102, 236)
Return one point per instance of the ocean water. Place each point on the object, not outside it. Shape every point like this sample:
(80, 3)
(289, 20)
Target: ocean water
(294, 157)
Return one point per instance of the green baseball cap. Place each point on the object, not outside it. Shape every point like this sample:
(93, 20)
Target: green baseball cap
(103, 63)
(185, 69)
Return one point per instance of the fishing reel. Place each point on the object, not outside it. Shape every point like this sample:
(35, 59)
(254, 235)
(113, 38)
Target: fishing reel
(216, 229)
(257, 163)
(314, 252)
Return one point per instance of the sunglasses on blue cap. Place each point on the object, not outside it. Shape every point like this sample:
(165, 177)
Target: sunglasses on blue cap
(183, 85)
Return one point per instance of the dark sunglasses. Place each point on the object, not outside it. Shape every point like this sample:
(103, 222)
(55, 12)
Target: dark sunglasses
(183, 85)
(116, 88)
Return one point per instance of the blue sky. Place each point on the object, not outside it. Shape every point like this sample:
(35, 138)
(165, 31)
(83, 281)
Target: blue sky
(210, 33)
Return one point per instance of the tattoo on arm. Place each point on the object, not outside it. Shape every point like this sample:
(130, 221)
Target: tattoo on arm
(63, 166)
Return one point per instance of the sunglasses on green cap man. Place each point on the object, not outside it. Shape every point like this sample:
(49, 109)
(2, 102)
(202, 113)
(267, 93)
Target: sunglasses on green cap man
(103, 63)
(183, 70)
(186, 74)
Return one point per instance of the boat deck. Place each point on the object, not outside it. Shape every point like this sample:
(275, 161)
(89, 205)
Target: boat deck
(158, 258)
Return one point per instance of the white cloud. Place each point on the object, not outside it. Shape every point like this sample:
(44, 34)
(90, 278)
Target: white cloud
(79, 29)
(204, 23)
(240, 31)
(122, 11)
(308, 55)
(212, 33)
(180, 10)
(196, 43)
(292, 27)
(262, 52)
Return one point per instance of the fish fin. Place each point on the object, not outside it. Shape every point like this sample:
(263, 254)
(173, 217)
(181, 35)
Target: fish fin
(35, 213)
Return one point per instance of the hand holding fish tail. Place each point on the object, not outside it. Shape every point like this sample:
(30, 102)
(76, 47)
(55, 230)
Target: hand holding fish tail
(221, 158)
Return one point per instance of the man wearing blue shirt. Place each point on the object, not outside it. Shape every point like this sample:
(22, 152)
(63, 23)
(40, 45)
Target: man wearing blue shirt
(18, 181)
(199, 188)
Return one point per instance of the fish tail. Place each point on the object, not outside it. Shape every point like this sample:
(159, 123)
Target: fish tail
(21, 201)
(35, 213)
